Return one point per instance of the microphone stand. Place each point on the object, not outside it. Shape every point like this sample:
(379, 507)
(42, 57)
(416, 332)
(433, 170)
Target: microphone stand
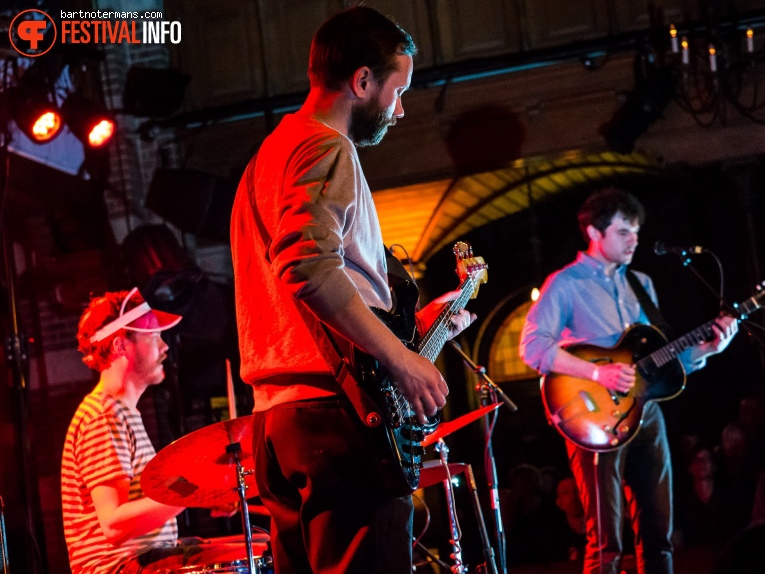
(488, 389)
(685, 259)
(3, 540)
(480, 370)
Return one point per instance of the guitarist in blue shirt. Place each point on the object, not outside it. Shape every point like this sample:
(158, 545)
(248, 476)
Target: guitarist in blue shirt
(591, 301)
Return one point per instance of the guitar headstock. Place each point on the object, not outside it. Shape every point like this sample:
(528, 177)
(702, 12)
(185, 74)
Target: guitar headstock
(470, 266)
(755, 302)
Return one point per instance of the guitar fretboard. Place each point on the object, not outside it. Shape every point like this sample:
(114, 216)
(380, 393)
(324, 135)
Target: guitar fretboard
(433, 341)
(670, 351)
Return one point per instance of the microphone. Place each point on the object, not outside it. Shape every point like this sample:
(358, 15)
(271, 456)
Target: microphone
(661, 248)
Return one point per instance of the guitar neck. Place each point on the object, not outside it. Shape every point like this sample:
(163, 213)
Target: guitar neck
(670, 351)
(433, 341)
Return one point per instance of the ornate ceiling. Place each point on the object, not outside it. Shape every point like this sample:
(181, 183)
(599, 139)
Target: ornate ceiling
(422, 218)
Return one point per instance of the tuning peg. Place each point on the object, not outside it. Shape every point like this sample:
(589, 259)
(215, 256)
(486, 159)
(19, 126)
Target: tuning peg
(461, 250)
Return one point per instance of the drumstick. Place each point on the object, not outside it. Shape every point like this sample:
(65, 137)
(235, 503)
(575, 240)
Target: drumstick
(230, 389)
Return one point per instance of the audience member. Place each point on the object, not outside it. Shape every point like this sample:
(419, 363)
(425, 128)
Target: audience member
(751, 419)
(737, 480)
(698, 500)
(536, 531)
(758, 506)
(742, 554)
(567, 499)
(551, 476)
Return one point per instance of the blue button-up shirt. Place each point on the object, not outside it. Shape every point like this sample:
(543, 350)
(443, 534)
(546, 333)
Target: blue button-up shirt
(581, 303)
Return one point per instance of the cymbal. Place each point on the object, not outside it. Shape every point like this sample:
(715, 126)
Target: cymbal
(433, 472)
(448, 428)
(196, 470)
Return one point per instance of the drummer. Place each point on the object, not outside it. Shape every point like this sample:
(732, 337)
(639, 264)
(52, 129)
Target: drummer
(108, 522)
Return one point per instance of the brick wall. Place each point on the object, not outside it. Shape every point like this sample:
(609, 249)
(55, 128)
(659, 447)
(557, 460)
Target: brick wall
(57, 277)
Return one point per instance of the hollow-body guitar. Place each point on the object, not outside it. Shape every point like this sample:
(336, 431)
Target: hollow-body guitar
(599, 419)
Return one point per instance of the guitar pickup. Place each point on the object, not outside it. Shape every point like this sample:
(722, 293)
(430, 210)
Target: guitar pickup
(588, 402)
(412, 434)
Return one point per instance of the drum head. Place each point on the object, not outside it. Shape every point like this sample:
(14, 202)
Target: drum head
(227, 554)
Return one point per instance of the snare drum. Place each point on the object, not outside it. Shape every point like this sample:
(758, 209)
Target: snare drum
(227, 555)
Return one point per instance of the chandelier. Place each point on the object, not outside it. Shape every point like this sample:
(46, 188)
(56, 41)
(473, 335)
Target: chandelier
(718, 70)
(712, 71)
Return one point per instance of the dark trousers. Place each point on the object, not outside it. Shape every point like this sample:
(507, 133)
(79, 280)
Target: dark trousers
(317, 475)
(637, 476)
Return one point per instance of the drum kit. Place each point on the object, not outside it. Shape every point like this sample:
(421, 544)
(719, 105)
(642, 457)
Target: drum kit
(214, 466)
(210, 468)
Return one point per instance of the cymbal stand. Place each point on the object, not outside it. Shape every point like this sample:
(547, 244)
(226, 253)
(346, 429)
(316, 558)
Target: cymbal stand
(456, 555)
(234, 449)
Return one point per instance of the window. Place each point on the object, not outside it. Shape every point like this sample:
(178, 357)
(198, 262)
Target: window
(505, 363)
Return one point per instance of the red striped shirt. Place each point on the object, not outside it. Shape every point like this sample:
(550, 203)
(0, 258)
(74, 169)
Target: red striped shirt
(106, 440)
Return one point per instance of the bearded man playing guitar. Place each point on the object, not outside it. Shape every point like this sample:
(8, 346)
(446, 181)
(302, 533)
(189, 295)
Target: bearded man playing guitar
(592, 301)
(309, 260)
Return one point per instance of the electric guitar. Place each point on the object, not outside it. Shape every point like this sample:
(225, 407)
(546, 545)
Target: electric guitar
(398, 436)
(599, 419)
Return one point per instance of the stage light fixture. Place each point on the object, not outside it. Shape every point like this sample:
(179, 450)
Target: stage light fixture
(35, 114)
(101, 133)
(89, 121)
(159, 266)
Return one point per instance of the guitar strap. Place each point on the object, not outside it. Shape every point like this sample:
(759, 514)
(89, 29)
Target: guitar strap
(361, 401)
(651, 310)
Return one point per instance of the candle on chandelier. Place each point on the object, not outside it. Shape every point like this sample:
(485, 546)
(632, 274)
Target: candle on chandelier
(684, 44)
(673, 37)
(712, 58)
(750, 40)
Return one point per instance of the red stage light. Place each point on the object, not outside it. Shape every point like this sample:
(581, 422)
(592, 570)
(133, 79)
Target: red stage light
(46, 126)
(101, 133)
(36, 115)
(93, 125)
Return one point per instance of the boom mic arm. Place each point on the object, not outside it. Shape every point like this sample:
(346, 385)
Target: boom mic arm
(661, 248)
